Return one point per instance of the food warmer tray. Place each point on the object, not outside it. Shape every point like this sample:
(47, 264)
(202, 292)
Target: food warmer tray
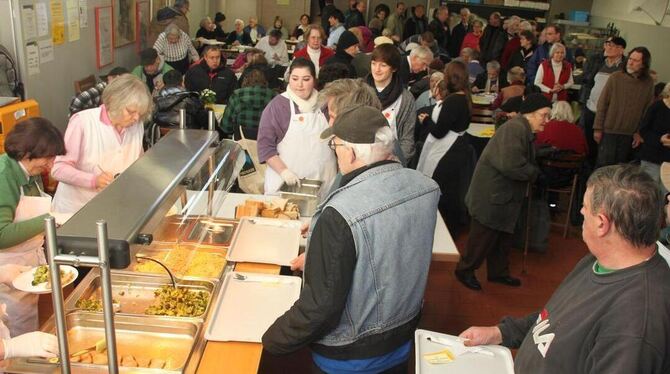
(162, 250)
(173, 340)
(135, 292)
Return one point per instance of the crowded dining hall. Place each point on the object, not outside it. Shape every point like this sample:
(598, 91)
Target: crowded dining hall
(334, 186)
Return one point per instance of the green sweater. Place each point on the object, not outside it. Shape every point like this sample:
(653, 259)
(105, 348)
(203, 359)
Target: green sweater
(12, 178)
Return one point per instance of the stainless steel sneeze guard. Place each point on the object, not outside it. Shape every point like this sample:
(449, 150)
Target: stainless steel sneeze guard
(105, 232)
(138, 198)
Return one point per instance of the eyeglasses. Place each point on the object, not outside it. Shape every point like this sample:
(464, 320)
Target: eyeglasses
(332, 145)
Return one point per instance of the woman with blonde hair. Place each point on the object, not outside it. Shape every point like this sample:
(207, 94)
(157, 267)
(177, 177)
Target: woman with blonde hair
(554, 75)
(561, 132)
(101, 143)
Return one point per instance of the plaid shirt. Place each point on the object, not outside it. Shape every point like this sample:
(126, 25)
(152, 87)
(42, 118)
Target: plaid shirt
(245, 107)
(177, 51)
(88, 99)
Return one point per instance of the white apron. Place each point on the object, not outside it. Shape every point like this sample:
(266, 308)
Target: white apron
(391, 114)
(303, 151)
(22, 306)
(434, 149)
(102, 152)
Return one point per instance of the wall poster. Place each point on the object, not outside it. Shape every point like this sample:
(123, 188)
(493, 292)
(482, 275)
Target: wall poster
(143, 19)
(104, 36)
(124, 22)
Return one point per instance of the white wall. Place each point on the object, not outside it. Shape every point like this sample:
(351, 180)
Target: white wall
(638, 29)
(53, 86)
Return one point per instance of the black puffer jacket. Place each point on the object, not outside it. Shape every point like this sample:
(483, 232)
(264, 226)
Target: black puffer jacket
(167, 110)
(220, 80)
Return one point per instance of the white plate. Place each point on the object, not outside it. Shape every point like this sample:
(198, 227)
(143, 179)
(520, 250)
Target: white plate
(499, 363)
(24, 282)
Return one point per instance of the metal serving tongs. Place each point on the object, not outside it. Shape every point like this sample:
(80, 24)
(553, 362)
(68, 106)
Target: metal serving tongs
(141, 256)
(99, 346)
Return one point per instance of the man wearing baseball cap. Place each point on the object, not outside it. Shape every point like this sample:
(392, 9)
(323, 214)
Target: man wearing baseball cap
(497, 191)
(365, 269)
(598, 70)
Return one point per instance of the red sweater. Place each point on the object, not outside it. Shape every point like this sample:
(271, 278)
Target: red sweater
(563, 135)
(470, 41)
(326, 53)
(512, 46)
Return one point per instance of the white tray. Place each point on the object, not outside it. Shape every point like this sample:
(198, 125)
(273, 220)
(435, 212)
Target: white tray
(247, 308)
(468, 363)
(265, 240)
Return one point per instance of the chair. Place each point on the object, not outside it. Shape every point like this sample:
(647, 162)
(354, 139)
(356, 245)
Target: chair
(570, 163)
(84, 84)
(481, 115)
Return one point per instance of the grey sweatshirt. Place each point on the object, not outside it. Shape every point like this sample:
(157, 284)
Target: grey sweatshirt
(613, 323)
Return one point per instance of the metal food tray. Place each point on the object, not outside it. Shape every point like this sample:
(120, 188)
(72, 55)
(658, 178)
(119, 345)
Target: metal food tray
(246, 308)
(211, 231)
(172, 340)
(174, 228)
(161, 251)
(265, 240)
(305, 196)
(501, 363)
(135, 292)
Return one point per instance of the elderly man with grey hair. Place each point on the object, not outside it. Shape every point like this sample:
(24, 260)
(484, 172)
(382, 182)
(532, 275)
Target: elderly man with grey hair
(354, 308)
(414, 66)
(175, 48)
(490, 81)
(611, 314)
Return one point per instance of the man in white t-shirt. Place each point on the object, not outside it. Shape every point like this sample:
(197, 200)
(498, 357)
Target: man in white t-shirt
(274, 48)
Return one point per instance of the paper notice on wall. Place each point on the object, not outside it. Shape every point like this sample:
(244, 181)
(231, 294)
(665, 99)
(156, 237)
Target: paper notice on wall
(42, 18)
(83, 14)
(29, 22)
(73, 19)
(57, 22)
(46, 48)
(33, 58)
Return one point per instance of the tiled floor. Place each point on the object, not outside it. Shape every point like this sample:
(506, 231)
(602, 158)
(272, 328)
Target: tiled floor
(450, 307)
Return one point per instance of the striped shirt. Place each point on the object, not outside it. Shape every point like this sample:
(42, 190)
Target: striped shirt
(176, 51)
(88, 99)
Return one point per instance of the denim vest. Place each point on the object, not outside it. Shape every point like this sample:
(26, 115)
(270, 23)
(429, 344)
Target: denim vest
(391, 212)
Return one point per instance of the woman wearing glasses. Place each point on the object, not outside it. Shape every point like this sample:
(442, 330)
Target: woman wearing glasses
(101, 143)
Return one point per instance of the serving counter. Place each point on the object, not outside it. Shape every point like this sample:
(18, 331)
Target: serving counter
(185, 220)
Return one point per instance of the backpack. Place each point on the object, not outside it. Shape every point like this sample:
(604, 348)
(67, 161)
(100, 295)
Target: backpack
(10, 85)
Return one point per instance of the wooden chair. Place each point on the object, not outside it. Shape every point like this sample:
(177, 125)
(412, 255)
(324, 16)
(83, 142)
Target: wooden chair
(572, 162)
(481, 115)
(84, 84)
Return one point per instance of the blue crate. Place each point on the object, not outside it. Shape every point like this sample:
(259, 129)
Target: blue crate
(578, 15)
